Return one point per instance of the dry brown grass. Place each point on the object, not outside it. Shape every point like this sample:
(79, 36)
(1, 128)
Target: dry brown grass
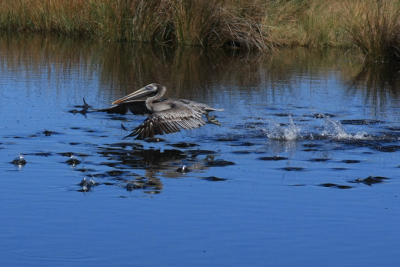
(374, 26)
(261, 25)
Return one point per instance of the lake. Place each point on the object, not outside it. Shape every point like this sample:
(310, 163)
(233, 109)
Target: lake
(303, 170)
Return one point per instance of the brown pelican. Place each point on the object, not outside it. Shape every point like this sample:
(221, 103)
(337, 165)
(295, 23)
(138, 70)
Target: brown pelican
(165, 115)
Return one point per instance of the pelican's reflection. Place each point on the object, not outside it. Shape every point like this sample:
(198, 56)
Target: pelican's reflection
(130, 159)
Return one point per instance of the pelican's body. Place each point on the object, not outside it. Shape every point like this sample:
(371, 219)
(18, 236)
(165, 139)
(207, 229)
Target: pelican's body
(165, 116)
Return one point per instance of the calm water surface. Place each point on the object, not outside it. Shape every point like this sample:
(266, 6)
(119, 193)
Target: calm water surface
(304, 170)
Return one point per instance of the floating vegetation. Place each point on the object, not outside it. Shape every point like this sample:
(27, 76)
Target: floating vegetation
(336, 186)
(274, 158)
(87, 185)
(210, 162)
(388, 148)
(214, 179)
(47, 133)
(243, 152)
(319, 160)
(361, 122)
(370, 180)
(183, 169)
(289, 169)
(19, 160)
(351, 161)
(73, 161)
(183, 145)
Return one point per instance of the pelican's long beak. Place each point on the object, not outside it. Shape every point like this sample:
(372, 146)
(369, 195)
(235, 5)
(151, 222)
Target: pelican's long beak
(133, 96)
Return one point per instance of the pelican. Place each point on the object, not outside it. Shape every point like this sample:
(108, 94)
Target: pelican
(165, 115)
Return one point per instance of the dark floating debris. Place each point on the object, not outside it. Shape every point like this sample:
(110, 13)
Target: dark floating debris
(311, 145)
(283, 114)
(85, 170)
(319, 160)
(243, 152)
(75, 111)
(130, 187)
(393, 128)
(361, 122)
(227, 139)
(19, 160)
(310, 150)
(318, 115)
(210, 162)
(71, 154)
(73, 161)
(118, 118)
(243, 144)
(183, 169)
(87, 185)
(292, 169)
(351, 161)
(140, 183)
(339, 169)
(328, 185)
(126, 144)
(201, 152)
(214, 179)
(74, 143)
(274, 158)
(336, 186)
(370, 180)
(47, 133)
(44, 154)
(116, 173)
(391, 148)
(183, 145)
(154, 140)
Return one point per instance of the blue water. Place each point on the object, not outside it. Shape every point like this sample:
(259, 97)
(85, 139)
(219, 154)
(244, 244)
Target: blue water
(275, 185)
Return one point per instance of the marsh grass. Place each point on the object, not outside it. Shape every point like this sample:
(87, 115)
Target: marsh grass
(371, 25)
(374, 26)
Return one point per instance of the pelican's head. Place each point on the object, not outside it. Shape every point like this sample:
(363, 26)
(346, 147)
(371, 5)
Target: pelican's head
(149, 90)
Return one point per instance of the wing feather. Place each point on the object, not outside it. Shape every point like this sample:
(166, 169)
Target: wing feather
(169, 120)
(137, 107)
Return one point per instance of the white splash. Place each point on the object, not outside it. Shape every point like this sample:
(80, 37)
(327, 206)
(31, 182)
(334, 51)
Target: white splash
(289, 132)
(334, 129)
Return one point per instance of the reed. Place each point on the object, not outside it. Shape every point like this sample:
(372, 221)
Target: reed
(374, 26)
(371, 25)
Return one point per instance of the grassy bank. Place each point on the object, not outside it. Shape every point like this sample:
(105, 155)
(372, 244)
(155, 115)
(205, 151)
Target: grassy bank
(370, 25)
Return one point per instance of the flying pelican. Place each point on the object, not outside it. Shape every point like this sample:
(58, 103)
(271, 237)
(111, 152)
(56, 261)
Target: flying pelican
(165, 115)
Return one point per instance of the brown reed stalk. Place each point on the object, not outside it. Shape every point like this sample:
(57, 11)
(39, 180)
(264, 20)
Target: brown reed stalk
(374, 26)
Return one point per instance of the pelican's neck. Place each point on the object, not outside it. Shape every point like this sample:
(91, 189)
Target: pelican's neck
(160, 92)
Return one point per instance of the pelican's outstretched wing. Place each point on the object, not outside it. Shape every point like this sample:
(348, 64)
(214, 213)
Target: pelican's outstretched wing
(169, 121)
(137, 107)
(199, 106)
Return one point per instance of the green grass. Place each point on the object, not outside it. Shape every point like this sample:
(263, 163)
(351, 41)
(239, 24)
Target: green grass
(370, 25)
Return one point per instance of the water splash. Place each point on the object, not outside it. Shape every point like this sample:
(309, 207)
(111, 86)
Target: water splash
(287, 133)
(335, 130)
(332, 129)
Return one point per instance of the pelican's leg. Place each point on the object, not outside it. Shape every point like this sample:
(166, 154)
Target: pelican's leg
(212, 119)
(86, 105)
